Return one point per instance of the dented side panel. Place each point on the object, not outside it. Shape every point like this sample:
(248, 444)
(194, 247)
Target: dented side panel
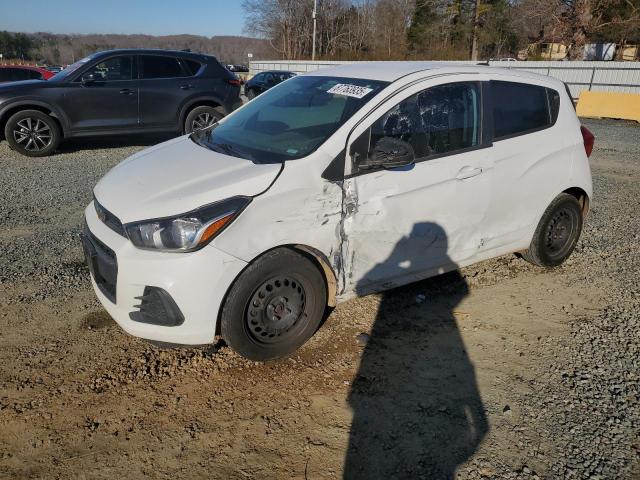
(407, 221)
(401, 223)
(300, 209)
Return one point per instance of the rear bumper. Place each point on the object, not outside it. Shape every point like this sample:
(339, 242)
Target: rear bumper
(197, 282)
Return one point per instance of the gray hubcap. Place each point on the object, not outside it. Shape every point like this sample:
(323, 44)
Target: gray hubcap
(202, 121)
(32, 134)
(560, 232)
(275, 310)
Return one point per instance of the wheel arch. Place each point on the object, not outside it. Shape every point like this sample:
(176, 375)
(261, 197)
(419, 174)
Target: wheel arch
(318, 258)
(13, 108)
(581, 196)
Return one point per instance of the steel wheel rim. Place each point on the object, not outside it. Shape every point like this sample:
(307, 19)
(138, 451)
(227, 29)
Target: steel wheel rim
(275, 310)
(32, 134)
(560, 232)
(203, 120)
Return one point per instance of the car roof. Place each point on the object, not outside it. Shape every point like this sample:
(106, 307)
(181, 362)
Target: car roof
(394, 70)
(152, 51)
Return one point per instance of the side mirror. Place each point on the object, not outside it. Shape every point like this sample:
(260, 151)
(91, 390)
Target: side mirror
(88, 79)
(389, 152)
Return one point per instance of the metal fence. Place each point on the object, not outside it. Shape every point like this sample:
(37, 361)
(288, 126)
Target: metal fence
(579, 76)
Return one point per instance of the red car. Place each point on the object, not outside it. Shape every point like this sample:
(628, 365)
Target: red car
(14, 73)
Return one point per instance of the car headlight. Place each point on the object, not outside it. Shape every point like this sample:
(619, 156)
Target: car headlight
(189, 231)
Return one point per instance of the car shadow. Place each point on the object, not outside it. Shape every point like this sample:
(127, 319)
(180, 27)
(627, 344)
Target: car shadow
(73, 145)
(417, 411)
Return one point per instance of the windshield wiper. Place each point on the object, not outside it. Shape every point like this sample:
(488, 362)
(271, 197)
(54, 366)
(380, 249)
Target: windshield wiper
(229, 150)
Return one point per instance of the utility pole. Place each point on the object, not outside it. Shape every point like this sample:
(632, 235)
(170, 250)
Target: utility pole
(476, 21)
(313, 15)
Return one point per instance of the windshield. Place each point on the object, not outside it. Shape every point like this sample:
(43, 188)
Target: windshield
(291, 120)
(64, 73)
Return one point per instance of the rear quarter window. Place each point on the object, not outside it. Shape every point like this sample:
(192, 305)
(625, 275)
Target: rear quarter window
(554, 104)
(217, 70)
(520, 108)
(191, 66)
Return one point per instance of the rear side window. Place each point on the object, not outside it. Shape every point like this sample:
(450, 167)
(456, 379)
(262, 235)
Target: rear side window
(35, 75)
(436, 121)
(154, 66)
(520, 108)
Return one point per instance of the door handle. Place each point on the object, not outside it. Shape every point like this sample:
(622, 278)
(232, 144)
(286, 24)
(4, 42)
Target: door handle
(186, 87)
(127, 91)
(468, 172)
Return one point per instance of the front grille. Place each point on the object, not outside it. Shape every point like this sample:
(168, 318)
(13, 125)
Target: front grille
(102, 263)
(108, 218)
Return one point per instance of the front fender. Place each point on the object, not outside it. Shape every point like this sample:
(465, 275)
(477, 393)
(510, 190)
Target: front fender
(27, 102)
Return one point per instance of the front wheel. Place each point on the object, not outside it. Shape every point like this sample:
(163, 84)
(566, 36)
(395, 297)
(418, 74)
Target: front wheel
(274, 306)
(557, 233)
(32, 133)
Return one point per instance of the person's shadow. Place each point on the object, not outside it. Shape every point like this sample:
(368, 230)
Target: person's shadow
(417, 412)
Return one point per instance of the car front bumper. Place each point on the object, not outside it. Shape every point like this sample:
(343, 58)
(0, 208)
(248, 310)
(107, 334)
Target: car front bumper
(123, 275)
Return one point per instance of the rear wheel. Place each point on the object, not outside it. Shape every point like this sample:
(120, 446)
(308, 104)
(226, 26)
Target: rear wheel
(275, 306)
(202, 117)
(32, 133)
(557, 233)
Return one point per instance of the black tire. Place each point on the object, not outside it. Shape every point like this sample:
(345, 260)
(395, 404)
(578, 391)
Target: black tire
(32, 133)
(557, 233)
(202, 117)
(274, 306)
(251, 94)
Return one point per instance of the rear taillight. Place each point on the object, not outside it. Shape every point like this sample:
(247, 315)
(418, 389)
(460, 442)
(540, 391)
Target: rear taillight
(588, 140)
(233, 81)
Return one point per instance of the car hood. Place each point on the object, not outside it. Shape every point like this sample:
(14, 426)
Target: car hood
(19, 85)
(177, 176)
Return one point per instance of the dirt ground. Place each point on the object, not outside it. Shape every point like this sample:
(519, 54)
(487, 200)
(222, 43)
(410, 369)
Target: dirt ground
(501, 370)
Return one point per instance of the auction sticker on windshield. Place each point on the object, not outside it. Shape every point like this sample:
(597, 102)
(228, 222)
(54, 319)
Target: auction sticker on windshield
(349, 90)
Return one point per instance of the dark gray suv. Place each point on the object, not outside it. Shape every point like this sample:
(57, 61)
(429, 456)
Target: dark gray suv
(117, 92)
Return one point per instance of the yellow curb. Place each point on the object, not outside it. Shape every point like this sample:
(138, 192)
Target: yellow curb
(609, 105)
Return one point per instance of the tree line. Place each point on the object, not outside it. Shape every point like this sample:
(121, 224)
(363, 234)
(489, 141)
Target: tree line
(438, 29)
(56, 49)
(372, 30)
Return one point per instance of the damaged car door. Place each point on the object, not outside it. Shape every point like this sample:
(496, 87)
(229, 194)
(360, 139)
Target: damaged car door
(416, 187)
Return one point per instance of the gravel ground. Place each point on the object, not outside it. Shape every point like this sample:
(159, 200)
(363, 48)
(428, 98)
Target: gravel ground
(501, 371)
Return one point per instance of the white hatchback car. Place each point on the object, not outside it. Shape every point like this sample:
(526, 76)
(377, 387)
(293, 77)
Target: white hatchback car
(348, 180)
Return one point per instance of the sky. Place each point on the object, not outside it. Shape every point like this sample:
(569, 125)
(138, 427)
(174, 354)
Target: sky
(152, 17)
